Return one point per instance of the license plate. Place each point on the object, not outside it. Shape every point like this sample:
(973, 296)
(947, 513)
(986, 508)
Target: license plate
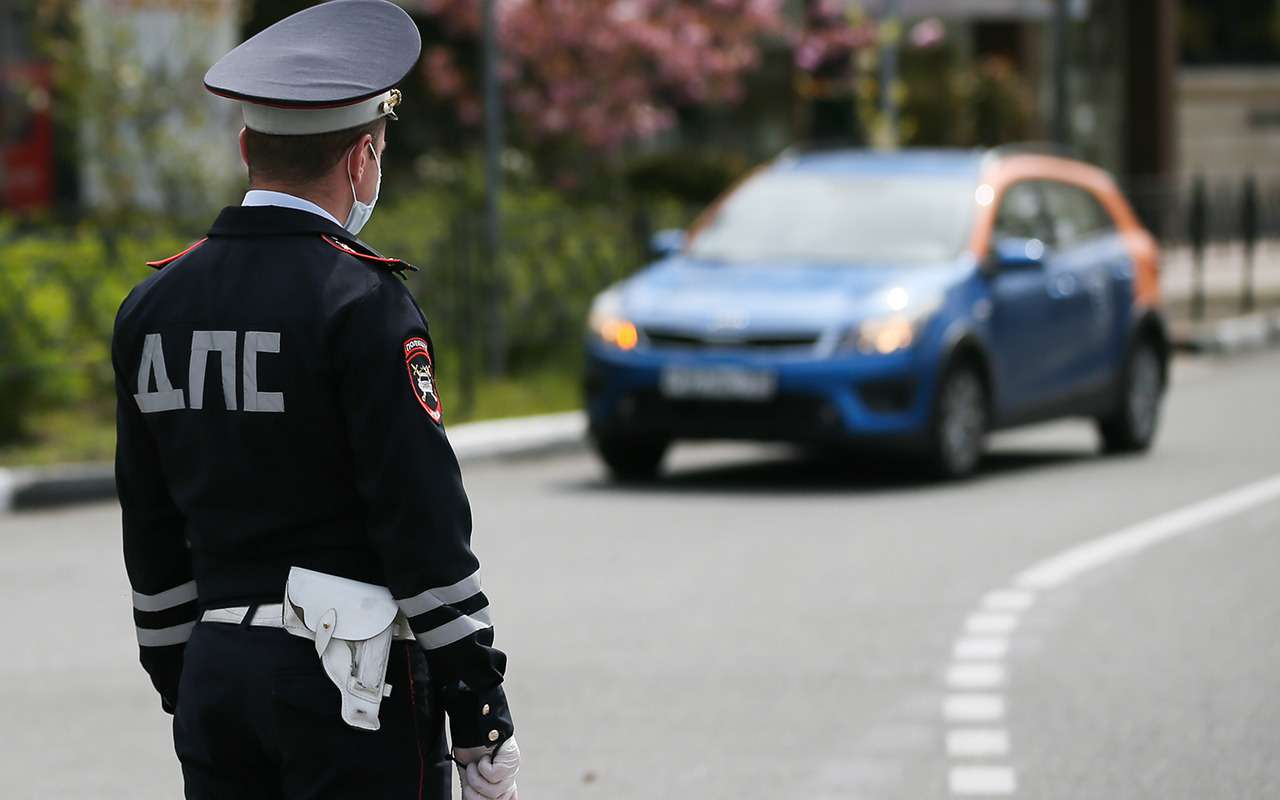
(719, 383)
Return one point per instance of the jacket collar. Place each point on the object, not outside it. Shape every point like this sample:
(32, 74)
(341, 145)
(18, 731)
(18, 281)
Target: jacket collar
(237, 221)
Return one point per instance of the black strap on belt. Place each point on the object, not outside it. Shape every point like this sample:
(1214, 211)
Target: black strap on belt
(248, 615)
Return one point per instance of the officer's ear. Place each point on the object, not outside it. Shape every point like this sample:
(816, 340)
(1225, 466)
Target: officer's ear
(244, 147)
(359, 159)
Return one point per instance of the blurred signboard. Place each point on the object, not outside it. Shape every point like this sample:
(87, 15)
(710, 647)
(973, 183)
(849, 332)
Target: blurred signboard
(151, 137)
(26, 138)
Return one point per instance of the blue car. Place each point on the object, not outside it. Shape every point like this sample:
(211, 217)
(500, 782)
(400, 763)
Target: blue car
(916, 299)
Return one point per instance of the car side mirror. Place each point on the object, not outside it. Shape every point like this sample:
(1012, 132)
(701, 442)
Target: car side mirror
(666, 243)
(1015, 254)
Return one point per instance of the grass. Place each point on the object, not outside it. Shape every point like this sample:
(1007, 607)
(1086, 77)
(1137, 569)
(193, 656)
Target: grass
(89, 434)
(67, 435)
(542, 392)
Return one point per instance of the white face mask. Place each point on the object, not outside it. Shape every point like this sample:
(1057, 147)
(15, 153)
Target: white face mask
(360, 212)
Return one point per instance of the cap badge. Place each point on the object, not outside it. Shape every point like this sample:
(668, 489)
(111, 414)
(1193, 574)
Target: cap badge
(388, 106)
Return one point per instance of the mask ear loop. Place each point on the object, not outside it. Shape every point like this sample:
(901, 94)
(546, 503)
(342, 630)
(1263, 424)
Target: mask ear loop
(351, 181)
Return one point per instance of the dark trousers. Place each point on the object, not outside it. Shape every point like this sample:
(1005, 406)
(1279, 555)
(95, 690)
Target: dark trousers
(258, 718)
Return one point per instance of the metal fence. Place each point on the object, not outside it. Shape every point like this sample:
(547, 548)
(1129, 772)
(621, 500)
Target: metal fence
(1220, 237)
(525, 309)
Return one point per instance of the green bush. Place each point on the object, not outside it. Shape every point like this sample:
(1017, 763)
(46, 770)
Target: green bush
(58, 296)
(555, 257)
(691, 177)
(60, 289)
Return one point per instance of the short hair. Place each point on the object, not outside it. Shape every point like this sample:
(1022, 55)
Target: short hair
(298, 160)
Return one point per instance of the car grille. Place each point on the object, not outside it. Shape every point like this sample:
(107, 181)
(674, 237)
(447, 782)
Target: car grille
(664, 339)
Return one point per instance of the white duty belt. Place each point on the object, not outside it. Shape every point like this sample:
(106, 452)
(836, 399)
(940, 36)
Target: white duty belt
(271, 615)
(352, 625)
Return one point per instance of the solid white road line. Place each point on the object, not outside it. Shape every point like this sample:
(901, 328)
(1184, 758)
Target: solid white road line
(978, 648)
(979, 675)
(1059, 569)
(977, 742)
(973, 707)
(1008, 600)
(983, 623)
(982, 781)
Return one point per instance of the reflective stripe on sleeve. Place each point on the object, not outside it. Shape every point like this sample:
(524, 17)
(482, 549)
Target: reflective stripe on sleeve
(432, 599)
(166, 599)
(163, 637)
(455, 629)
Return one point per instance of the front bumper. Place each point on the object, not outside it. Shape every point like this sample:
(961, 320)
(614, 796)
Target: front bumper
(818, 400)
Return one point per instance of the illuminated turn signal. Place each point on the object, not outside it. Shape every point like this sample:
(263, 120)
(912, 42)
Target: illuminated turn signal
(620, 333)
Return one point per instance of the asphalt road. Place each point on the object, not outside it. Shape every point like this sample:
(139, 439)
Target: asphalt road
(766, 625)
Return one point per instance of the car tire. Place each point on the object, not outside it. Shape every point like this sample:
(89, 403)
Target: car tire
(958, 430)
(1131, 428)
(632, 460)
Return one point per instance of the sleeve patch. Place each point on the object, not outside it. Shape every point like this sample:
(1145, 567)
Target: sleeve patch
(422, 378)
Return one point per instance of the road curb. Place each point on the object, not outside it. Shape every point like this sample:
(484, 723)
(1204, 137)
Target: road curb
(1232, 335)
(68, 484)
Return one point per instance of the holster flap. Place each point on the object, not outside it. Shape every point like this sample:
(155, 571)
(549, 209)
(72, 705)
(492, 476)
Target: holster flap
(364, 610)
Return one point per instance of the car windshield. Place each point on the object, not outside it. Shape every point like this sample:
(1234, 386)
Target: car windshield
(840, 219)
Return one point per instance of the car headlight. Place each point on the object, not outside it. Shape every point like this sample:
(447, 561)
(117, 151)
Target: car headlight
(898, 330)
(607, 323)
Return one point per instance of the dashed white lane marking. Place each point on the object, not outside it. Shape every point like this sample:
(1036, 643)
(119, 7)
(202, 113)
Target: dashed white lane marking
(979, 675)
(979, 648)
(1008, 600)
(977, 742)
(982, 781)
(978, 654)
(973, 707)
(991, 623)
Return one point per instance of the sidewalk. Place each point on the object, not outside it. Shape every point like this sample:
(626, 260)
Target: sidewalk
(1225, 327)
(22, 489)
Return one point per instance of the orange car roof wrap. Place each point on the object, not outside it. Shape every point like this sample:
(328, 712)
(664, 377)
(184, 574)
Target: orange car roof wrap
(1004, 172)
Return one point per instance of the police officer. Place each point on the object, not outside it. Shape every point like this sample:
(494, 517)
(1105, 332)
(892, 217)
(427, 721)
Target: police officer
(295, 527)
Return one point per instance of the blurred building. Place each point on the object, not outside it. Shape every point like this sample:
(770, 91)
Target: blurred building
(1229, 87)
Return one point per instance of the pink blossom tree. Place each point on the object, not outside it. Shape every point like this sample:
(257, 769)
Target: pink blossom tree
(595, 75)
(601, 73)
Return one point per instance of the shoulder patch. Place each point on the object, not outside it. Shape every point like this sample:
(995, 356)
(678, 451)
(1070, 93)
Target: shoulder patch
(422, 377)
(164, 262)
(394, 264)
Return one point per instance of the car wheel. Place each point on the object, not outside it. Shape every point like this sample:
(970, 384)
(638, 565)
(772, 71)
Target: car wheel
(958, 432)
(632, 460)
(1132, 427)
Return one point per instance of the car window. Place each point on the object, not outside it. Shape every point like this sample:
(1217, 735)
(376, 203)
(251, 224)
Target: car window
(1021, 214)
(847, 218)
(1077, 215)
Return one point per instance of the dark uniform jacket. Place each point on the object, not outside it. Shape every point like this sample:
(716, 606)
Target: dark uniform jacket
(277, 407)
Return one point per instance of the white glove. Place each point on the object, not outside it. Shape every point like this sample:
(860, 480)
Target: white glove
(486, 776)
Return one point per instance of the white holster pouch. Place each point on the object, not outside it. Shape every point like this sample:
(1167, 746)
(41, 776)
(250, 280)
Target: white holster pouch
(352, 625)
